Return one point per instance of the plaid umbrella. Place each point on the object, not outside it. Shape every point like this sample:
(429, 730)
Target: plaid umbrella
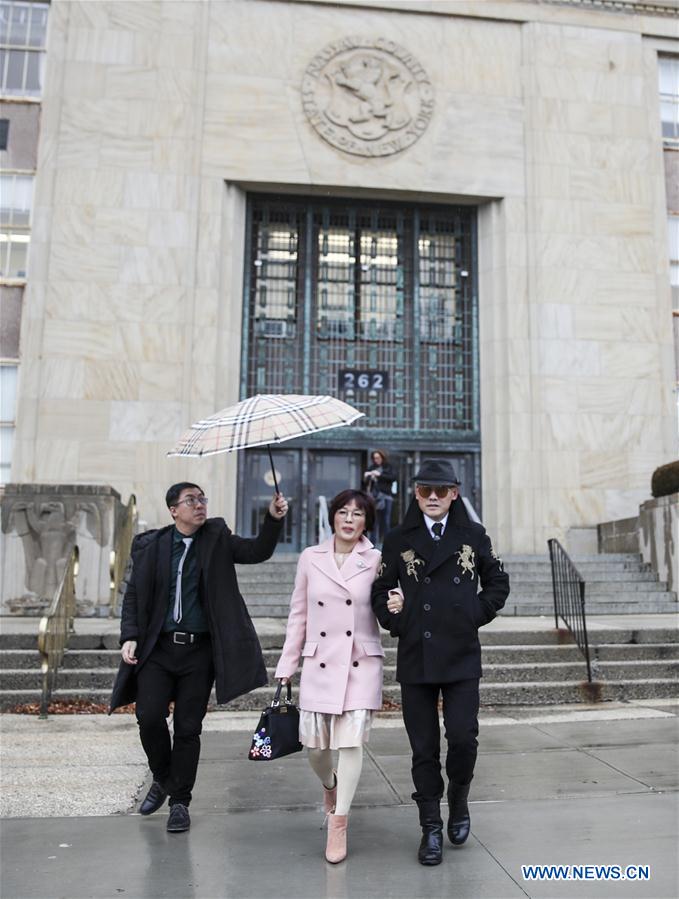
(262, 420)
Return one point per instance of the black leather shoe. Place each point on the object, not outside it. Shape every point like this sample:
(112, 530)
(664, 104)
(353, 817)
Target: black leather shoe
(459, 821)
(431, 844)
(155, 797)
(179, 819)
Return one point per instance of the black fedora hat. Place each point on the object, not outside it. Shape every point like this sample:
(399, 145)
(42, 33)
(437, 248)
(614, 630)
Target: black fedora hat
(436, 471)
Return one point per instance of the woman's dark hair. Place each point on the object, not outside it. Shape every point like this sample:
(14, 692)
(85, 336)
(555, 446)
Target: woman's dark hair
(362, 499)
(385, 457)
(175, 491)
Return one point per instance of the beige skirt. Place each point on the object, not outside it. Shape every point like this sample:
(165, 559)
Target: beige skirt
(320, 730)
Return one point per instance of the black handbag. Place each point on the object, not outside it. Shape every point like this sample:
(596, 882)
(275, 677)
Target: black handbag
(277, 733)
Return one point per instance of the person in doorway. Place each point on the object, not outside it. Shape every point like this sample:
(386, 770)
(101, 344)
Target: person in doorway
(427, 595)
(378, 482)
(332, 627)
(184, 626)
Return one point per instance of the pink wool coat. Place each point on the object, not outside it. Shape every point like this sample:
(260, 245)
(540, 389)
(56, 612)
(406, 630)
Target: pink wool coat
(332, 626)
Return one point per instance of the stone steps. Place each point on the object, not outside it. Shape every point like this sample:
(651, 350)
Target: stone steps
(617, 584)
(89, 659)
(492, 694)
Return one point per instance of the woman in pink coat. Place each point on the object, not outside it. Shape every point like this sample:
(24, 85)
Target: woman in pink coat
(332, 627)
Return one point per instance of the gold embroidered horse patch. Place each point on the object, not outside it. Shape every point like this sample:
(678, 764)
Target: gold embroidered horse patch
(497, 559)
(412, 562)
(465, 558)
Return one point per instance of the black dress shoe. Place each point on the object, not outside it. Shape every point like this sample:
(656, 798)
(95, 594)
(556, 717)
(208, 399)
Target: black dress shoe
(431, 845)
(459, 821)
(179, 819)
(155, 797)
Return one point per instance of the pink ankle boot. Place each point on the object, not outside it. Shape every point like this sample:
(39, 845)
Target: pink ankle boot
(330, 796)
(336, 847)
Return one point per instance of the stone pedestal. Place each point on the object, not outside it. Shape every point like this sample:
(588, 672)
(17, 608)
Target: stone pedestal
(40, 525)
(659, 537)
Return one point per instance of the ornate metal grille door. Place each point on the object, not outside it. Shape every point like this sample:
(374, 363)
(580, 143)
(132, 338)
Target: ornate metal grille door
(372, 302)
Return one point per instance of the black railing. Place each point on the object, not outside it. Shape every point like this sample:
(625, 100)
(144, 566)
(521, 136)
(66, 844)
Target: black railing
(569, 598)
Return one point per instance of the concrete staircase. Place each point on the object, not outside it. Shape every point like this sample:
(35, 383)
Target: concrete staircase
(530, 666)
(616, 584)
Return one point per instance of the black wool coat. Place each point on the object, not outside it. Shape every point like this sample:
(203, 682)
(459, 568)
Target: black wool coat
(443, 609)
(237, 655)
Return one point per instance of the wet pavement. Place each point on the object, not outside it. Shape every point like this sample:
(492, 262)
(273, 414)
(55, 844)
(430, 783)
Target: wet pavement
(575, 785)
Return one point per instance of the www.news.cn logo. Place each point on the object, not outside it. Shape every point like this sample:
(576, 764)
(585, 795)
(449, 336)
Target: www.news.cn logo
(586, 872)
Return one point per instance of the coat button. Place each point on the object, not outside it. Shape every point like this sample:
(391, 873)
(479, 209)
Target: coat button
(427, 580)
(322, 664)
(427, 635)
(426, 607)
(322, 633)
(320, 603)
(355, 664)
(348, 602)
(348, 633)
(456, 580)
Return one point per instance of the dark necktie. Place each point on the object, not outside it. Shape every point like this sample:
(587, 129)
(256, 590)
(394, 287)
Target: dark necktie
(437, 530)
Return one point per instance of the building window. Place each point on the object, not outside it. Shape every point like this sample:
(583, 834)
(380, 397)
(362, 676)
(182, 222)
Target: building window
(23, 27)
(373, 302)
(8, 393)
(16, 195)
(4, 134)
(668, 68)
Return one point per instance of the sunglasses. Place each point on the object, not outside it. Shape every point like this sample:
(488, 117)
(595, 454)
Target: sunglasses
(426, 491)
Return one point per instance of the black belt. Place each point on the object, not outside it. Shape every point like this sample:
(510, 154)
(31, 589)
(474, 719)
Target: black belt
(183, 638)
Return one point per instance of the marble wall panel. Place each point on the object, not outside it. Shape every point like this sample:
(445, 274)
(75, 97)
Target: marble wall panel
(130, 82)
(86, 340)
(105, 461)
(159, 381)
(106, 380)
(62, 418)
(155, 266)
(154, 342)
(121, 226)
(146, 302)
(60, 378)
(147, 422)
(55, 458)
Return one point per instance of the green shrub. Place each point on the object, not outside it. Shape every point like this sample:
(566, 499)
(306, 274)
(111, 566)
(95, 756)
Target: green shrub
(665, 479)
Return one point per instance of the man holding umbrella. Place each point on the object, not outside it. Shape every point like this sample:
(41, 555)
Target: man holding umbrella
(184, 626)
(439, 559)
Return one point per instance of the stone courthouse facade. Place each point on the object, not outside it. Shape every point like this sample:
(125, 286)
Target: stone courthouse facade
(454, 215)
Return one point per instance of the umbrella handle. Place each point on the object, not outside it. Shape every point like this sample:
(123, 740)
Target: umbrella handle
(273, 470)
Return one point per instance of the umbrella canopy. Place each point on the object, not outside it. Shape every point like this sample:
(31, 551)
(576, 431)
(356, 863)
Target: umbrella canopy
(261, 420)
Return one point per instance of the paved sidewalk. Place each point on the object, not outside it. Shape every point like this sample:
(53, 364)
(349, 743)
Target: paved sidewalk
(554, 785)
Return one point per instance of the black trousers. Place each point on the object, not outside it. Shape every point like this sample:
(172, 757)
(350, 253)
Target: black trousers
(461, 720)
(184, 674)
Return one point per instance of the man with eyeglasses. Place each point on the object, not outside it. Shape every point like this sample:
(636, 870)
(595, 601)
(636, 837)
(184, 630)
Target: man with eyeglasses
(427, 594)
(184, 626)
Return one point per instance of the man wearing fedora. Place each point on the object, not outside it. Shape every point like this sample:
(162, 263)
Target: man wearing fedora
(439, 558)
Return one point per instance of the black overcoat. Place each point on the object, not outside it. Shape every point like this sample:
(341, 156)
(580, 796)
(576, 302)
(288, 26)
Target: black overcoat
(443, 609)
(237, 655)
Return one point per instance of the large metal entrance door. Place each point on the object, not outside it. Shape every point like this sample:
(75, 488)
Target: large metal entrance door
(374, 303)
(255, 489)
(329, 472)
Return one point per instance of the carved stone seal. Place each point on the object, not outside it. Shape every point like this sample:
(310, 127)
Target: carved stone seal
(367, 97)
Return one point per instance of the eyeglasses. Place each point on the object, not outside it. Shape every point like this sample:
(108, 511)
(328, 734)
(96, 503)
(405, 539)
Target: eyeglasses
(193, 501)
(426, 491)
(350, 514)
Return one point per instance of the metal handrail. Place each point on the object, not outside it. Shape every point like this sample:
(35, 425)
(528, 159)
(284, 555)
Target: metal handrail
(569, 598)
(324, 529)
(124, 534)
(55, 628)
